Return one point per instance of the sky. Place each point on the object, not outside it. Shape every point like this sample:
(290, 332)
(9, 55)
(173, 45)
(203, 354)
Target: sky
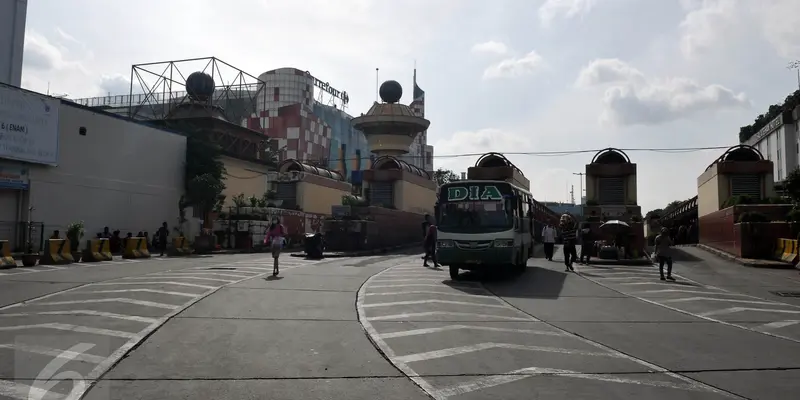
(510, 76)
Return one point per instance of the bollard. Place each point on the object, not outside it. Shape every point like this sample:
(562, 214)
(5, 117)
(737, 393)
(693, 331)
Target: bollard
(180, 246)
(136, 247)
(6, 260)
(97, 250)
(57, 252)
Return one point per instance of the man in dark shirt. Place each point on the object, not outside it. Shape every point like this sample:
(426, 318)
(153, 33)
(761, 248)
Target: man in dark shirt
(430, 242)
(569, 235)
(162, 234)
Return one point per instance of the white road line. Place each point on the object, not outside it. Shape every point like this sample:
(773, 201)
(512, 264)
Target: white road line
(459, 286)
(167, 292)
(473, 296)
(733, 310)
(622, 278)
(426, 331)
(691, 291)
(659, 283)
(85, 312)
(718, 299)
(460, 314)
(241, 269)
(21, 391)
(71, 328)
(420, 275)
(153, 283)
(435, 301)
(777, 325)
(485, 382)
(179, 276)
(115, 300)
(388, 280)
(57, 353)
(454, 351)
(193, 273)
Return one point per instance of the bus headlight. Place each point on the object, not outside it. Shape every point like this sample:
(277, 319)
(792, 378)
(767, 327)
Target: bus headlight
(504, 243)
(444, 243)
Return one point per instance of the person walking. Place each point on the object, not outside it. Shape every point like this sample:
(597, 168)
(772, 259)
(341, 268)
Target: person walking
(276, 234)
(549, 240)
(587, 243)
(161, 238)
(569, 236)
(430, 243)
(663, 254)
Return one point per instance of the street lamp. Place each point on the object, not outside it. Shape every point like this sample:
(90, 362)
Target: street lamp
(796, 66)
(581, 174)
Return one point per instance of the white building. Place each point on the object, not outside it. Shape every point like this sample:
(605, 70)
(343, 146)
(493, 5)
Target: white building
(12, 40)
(779, 142)
(73, 163)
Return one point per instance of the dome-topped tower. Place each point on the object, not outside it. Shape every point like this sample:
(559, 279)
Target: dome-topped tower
(200, 86)
(390, 127)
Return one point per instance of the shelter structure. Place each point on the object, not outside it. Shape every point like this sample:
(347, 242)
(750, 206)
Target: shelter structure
(611, 186)
(740, 171)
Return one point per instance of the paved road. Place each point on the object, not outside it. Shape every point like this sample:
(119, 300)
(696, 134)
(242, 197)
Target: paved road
(226, 331)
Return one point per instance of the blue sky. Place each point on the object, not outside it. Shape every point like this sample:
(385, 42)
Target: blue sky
(501, 75)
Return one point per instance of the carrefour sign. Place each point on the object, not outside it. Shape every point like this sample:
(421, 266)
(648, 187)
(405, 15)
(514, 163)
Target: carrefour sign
(28, 126)
(461, 193)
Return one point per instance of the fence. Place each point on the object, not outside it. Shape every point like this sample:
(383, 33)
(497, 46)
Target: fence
(17, 235)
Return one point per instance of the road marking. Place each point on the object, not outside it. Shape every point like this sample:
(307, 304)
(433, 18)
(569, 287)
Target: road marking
(229, 275)
(622, 278)
(71, 328)
(57, 353)
(179, 276)
(485, 382)
(115, 300)
(454, 351)
(726, 300)
(460, 314)
(459, 286)
(388, 280)
(691, 291)
(154, 283)
(426, 331)
(733, 310)
(139, 291)
(431, 292)
(21, 391)
(86, 312)
(777, 325)
(432, 301)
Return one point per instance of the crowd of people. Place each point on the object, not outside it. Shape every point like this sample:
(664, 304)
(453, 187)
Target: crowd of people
(117, 243)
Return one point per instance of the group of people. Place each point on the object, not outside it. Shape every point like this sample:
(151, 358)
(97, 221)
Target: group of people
(570, 236)
(116, 243)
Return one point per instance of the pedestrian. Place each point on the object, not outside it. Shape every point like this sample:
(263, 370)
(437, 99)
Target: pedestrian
(549, 239)
(663, 254)
(430, 243)
(426, 222)
(569, 237)
(162, 235)
(276, 234)
(587, 243)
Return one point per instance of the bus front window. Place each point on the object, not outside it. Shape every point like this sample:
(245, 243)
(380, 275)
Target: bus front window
(475, 216)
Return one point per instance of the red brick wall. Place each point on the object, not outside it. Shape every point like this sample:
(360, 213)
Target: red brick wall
(716, 230)
(755, 240)
(758, 240)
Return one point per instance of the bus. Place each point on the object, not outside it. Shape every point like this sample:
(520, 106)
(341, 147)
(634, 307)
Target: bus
(483, 225)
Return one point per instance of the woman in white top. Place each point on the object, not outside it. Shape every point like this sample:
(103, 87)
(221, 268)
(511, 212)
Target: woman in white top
(549, 239)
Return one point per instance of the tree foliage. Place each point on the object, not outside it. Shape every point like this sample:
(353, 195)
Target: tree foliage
(791, 186)
(204, 173)
(442, 176)
(789, 104)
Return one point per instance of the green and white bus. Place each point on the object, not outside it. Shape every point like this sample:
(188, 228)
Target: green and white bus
(484, 224)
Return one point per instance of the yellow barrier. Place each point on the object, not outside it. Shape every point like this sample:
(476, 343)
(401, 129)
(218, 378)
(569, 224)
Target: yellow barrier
(181, 246)
(6, 261)
(57, 251)
(136, 247)
(97, 250)
(786, 250)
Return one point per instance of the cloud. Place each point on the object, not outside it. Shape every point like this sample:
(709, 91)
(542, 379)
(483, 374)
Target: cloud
(116, 84)
(634, 99)
(490, 47)
(514, 67)
(552, 9)
(711, 25)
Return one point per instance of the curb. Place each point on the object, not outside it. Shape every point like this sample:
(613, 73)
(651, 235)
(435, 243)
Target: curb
(362, 253)
(769, 264)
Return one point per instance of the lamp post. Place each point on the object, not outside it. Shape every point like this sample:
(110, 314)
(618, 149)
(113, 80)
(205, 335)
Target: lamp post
(581, 174)
(795, 65)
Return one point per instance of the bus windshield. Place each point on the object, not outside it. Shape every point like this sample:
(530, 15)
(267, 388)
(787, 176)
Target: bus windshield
(476, 208)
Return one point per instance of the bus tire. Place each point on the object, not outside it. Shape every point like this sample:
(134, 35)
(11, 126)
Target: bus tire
(454, 272)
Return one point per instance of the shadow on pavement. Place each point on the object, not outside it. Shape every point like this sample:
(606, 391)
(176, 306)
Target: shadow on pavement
(273, 278)
(679, 255)
(535, 282)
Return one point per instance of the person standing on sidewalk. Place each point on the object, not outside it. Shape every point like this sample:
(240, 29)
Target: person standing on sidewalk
(549, 240)
(275, 238)
(569, 234)
(663, 253)
(587, 243)
(161, 241)
(430, 244)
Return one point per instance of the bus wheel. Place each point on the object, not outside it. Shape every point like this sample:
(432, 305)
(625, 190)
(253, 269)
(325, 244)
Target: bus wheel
(454, 272)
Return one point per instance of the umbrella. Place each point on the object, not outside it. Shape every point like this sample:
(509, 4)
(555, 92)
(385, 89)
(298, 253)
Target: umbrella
(615, 226)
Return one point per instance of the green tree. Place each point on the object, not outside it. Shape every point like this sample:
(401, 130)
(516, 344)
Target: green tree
(204, 173)
(791, 186)
(442, 176)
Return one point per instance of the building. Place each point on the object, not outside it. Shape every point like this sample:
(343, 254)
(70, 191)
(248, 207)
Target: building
(561, 208)
(779, 142)
(83, 164)
(12, 40)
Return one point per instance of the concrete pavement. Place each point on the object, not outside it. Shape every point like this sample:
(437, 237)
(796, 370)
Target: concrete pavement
(226, 331)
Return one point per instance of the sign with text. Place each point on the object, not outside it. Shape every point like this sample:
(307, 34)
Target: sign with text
(14, 177)
(28, 126)
(461, 193)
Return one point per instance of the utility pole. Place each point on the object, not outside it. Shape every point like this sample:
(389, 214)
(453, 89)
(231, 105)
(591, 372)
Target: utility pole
(795, 65)
(572, 194)
(581, 174)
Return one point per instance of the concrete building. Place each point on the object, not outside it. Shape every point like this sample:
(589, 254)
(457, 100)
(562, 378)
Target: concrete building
(742, 170)
(779, 142)
(13, 14)
(84, 165)
(611, 186)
